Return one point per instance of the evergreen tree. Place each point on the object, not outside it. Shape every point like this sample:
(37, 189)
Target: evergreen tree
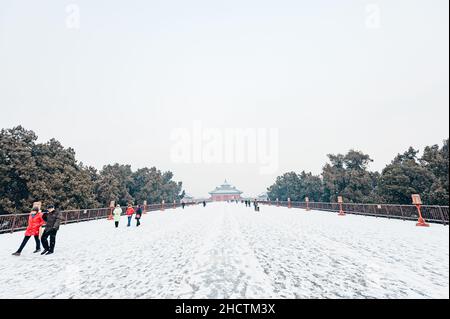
(296, 187)
(436, 161)
(286, 186)
(403, 177)
(311, 187)
(153, 186)
(113, 184)
(48, 172)
(347, 176)
(16, 168)
(59, 179)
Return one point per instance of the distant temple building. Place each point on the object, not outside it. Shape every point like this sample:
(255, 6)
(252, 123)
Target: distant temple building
(263, 197)
(225, 192)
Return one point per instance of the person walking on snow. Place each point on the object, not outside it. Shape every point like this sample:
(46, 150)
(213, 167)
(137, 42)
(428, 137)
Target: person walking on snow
(117, 213)
(35, 221)
(53, 220)
(130, 212)
(138, 215)
(255, 203)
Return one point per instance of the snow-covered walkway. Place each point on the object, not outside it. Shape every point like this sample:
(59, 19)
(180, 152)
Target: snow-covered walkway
(229, 251)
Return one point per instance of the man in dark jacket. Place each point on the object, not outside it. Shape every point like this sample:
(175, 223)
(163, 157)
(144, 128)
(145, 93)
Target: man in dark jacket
(53, 220)
(138, 215)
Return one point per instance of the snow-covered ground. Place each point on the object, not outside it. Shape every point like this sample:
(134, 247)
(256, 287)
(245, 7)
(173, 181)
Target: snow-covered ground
(229, 251)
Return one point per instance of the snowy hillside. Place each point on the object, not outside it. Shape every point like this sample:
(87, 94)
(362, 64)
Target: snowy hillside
(229, 251)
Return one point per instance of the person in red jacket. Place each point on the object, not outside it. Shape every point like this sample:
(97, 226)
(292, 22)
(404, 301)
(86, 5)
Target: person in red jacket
(35, 221)
(130, 212)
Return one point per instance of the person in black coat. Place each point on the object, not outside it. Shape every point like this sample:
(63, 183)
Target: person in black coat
(138, 215)
(255, 203)
(53, 220)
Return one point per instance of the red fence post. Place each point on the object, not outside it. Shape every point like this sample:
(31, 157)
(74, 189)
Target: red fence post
(289, 203)
(110, 212)
(307, 204)
(112, 204)
(341, 211)
(421, 222)
(418, 202)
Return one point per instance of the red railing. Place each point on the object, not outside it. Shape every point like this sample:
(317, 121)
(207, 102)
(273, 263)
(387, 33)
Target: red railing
(15, 222)
(434, 214)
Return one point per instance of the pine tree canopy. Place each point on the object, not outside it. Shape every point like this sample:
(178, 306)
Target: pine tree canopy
(348, 176)
(49, 172)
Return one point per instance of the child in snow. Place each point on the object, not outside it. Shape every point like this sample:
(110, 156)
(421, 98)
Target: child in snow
(35, 222)
(130, 212)
(117, 213)
(138, 215)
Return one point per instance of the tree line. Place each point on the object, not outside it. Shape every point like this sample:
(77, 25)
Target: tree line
(49, 172)
(347, 175)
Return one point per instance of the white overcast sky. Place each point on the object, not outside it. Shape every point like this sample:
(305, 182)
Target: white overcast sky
(115, 88)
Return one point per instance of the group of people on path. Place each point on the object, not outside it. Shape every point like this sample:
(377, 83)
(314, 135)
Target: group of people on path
(117, 213)
(248, 203)
(51, 218)
(183, 204)
(44, 225)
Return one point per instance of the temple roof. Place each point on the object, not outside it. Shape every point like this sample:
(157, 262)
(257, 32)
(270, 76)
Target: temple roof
(225, 189)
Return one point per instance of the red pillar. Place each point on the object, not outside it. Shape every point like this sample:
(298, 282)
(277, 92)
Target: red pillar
(421, 222)
(341, 211)
(307, 204)
(112, 204)
(418, 202)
